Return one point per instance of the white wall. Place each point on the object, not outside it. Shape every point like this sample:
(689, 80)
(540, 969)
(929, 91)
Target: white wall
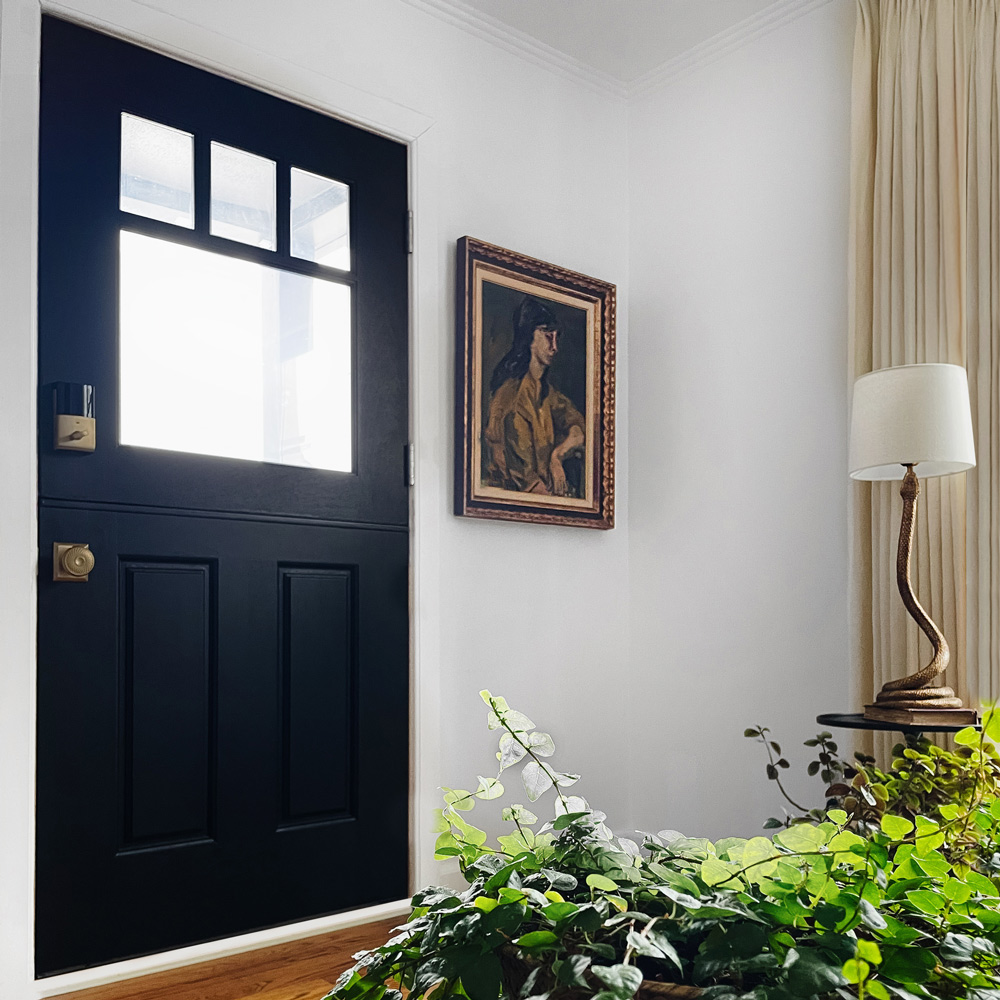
(504, 150)
(738, 420)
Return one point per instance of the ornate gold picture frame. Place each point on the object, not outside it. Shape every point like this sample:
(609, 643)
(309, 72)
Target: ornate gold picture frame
(535, 390)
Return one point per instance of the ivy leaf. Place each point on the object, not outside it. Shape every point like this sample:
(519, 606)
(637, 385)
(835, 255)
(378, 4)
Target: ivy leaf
(828, 915)
(908, 965)
(429, 972)
(567, 820)
(643, 945)
(630, 847)
(518, 814)
(621, 980)
(601, 882)
(510, 751)
(957, 890)
(926, 900)
(811, 972)
(869, 951)
(856, 970)
(481, 977)
(573, 970)
(681, 898)
(565, 780)
(497, 707)
(715, 872)
(536, 780)
(991, 724)
(537, 939)
(968, 737)
(558, 912)
(560, 881)
(542, 744)
(446, 846)
(666, 946)
(895, 826)
(588, 920)
(458, 798)
(870, 917)
(489, 788)
(802, 837)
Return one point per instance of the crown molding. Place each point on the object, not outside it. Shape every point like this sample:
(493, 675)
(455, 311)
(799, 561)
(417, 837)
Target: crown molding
(712, 49)
(474, 22)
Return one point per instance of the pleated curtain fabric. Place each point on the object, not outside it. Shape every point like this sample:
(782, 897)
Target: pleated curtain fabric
(923, 275)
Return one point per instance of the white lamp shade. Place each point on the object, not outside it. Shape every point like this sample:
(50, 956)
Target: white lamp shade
(911, 415)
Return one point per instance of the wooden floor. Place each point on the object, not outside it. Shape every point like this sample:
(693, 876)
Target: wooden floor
(296, 970)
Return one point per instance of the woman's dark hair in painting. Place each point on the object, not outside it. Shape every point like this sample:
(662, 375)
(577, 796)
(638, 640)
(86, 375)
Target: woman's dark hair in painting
(528, 317)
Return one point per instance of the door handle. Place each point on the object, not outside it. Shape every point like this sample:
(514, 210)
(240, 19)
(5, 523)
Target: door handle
(71, 562)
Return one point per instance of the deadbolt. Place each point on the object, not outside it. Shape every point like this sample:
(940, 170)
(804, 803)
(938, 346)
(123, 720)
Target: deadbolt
(71, 562)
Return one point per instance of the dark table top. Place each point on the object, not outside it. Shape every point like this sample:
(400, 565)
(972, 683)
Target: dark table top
(856, 720)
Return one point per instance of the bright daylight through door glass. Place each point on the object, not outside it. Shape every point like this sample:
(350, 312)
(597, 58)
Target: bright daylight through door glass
(321, 220)
(242, 197)
(157, 171)
(220, 356)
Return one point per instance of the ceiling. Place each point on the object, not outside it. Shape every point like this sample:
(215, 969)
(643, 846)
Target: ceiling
(622, 38)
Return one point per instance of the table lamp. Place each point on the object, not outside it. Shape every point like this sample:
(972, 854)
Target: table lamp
(905, 420)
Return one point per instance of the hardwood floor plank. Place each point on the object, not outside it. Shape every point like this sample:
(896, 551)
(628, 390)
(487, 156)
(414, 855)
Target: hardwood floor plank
(306, 991)
(295, 970)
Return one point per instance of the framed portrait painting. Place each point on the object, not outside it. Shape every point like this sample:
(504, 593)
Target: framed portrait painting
(535, 391)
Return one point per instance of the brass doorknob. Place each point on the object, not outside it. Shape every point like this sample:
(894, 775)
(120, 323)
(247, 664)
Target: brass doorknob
(71, 562)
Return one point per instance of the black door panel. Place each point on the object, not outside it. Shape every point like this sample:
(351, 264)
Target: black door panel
(79, 224)
(189, 784)
(223, 704)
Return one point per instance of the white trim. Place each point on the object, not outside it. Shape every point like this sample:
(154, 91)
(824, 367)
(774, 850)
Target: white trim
(119, 971)
(475, 22)
(722, 44)
(284, 78)
(520, 43)
(20, 29)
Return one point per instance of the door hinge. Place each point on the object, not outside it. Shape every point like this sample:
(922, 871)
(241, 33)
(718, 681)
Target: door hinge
(409, 232)
(411, 464)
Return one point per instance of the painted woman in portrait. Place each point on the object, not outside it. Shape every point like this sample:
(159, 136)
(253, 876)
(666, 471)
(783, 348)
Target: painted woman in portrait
(532, 427)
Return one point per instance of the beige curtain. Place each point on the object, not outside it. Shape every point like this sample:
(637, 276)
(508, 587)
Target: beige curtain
(924, 287)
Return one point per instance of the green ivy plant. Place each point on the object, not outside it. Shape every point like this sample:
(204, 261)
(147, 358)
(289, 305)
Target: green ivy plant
(889, 892)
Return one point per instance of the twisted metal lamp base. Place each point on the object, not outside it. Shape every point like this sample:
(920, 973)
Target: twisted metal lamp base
(914, 691)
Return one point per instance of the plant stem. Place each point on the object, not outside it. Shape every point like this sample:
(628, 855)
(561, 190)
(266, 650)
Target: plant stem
(529, 752)
(777, 780)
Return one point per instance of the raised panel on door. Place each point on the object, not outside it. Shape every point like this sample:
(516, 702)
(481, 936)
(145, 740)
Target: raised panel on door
(167, 700)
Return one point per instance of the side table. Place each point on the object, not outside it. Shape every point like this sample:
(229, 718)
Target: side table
(856, 720)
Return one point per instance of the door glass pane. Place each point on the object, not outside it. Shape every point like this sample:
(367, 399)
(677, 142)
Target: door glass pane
(221, 356)
(157, 171)
(320, 220)
(242, 196)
